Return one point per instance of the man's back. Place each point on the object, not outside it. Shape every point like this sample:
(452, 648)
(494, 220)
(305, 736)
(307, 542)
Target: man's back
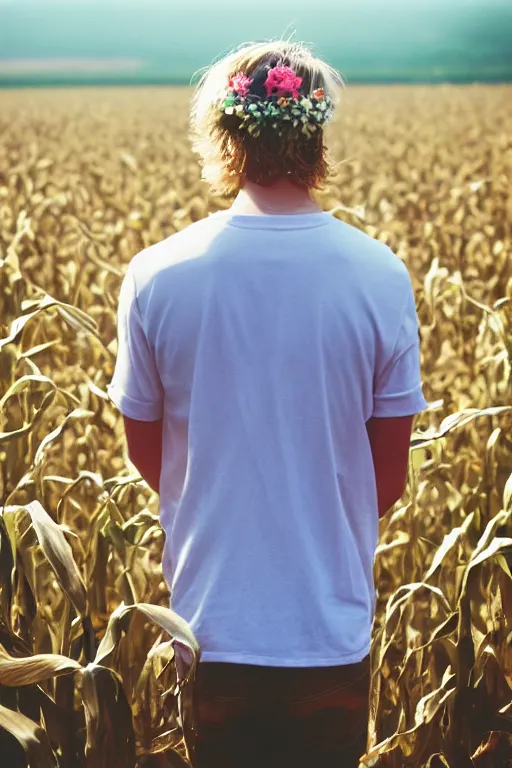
(268, 342)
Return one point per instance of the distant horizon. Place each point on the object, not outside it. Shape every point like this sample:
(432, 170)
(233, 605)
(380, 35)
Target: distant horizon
(121, 42)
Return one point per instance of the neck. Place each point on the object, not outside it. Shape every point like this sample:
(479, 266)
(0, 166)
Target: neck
(280, 197)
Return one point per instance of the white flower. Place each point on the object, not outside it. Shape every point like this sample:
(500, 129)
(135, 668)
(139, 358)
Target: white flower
(306, 104)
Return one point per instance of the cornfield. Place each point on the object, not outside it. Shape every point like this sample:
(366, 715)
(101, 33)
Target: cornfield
(95, 669)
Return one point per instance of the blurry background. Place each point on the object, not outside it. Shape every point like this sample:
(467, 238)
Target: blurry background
(62, 42)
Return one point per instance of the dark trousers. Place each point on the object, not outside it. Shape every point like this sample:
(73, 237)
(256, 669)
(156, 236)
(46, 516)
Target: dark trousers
(264, 717)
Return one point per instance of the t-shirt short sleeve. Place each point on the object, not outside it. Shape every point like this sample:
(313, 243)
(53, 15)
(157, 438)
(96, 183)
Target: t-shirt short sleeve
(136, 388)
(398, 388)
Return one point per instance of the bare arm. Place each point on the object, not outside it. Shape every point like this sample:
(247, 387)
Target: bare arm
(390, 439)
(144, 440)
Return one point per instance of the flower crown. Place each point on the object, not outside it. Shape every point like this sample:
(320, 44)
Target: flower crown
(272, 97)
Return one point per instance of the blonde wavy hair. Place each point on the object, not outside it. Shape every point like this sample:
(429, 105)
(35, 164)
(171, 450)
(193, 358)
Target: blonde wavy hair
(229, 157)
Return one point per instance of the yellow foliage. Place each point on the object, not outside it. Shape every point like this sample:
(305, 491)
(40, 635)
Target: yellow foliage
(87, 179)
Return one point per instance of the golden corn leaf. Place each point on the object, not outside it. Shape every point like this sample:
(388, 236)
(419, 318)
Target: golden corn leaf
(175, 626)
(33, 669)
(57, 551)
(30, 736)
(110, 736)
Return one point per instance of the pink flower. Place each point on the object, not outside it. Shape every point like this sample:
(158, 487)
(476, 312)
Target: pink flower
(240, 84)
(282, 80)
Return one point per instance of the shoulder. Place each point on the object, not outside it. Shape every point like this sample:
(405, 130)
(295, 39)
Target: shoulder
(376, 261)
(179, 247)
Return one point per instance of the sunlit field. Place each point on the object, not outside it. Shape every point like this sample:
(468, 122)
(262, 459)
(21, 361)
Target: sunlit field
(87, 179)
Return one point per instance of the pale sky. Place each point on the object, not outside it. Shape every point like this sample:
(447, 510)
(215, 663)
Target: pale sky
(357, 36)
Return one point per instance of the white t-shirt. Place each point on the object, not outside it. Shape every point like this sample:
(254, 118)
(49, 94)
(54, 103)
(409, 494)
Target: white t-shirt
(266, 342)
